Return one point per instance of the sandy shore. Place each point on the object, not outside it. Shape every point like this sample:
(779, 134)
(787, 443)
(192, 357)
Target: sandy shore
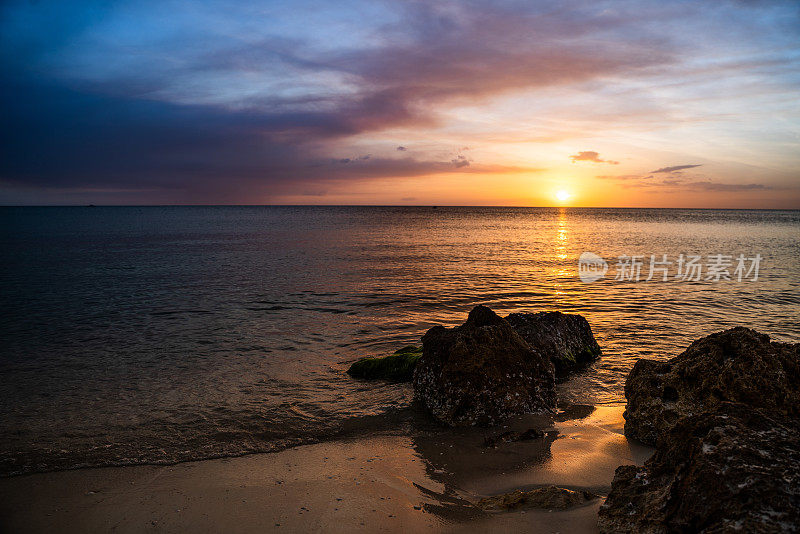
(428, 481)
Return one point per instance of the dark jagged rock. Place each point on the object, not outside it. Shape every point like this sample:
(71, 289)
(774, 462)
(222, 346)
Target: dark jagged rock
(481, 372)
(737, 365)
(736, 469)
(550, 497)
(512, 436)
(725, 417)
(397, 367)
(564, 338)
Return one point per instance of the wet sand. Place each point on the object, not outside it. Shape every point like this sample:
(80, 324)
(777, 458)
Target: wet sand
(427, 481)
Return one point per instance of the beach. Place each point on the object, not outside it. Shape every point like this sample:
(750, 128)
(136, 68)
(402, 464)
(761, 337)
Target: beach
(427, 481)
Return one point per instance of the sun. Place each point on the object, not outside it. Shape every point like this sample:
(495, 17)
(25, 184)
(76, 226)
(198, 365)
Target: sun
(562, 195)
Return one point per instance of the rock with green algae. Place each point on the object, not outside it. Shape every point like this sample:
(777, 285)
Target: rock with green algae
(550, 497)
(397, 367)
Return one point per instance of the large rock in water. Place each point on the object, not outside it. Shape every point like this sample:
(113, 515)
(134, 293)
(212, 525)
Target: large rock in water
(564, 338)
(736, 469)
(738, 365)
(481, 372)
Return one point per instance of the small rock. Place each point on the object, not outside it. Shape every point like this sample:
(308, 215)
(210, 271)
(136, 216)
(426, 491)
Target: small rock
(512, 436)
(397, 367)
(550, 497)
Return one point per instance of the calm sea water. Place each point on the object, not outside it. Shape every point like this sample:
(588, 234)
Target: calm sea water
(170, 333)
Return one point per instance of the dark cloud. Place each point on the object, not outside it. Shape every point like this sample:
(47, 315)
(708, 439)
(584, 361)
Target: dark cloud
(676, 168)
(717, 186)
(592, 156)
(676, 180)
(678, 184)
(460, 161)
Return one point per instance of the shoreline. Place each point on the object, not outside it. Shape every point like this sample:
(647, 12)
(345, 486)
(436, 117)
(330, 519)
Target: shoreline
(430, 479)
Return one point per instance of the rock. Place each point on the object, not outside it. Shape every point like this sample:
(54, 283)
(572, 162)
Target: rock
(574, 412)
(564, 338)
(398, 367)
(738, 365)
(512, 436)
(551, 497)
(736, 469)
(481, 373)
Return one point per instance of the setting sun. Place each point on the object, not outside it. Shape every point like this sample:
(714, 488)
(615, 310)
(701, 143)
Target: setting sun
(562, 195)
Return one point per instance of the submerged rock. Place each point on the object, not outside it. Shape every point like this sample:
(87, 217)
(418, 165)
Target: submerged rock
(574, 412)
(737, 365)
(481, 372)
(564, 338)
(551, 497)
(397, 367)
(512, 436)
(736, 469)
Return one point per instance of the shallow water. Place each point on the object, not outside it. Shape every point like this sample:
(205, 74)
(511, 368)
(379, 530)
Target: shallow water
(170, 333)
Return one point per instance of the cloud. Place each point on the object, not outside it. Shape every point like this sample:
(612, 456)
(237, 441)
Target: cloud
(711, 186)
(623, 177)
(676, 168)
(460, 161)
(676, 180)
(231, 118)
(717, 186)
(128, 100)
(592, 156)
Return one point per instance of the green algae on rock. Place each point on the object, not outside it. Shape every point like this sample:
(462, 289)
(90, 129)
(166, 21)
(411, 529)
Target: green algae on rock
(397, 367)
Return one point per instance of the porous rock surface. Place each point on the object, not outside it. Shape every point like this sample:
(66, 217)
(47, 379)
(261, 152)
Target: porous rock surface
(481, 373)
(735, 469)
(564, 338)
(738, 365)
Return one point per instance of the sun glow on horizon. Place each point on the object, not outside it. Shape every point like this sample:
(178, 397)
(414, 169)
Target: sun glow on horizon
(563, 195)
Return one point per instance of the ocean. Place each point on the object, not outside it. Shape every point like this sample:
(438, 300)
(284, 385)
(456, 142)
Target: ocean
(162, 334)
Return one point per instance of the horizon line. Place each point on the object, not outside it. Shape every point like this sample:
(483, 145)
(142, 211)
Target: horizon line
(432, 206)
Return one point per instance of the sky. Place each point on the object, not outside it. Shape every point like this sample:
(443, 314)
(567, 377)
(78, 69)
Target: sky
(520, 103)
